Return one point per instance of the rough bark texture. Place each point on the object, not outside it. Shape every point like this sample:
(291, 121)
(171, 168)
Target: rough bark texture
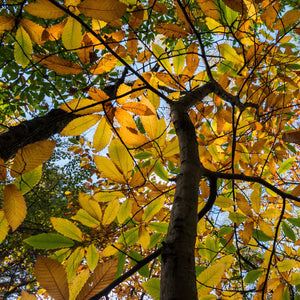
(178, 279)
(34, 130)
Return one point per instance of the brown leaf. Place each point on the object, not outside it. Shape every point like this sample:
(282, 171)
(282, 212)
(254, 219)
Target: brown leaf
(236, 5)
(52, 276)
(171, 30)
(292, 136)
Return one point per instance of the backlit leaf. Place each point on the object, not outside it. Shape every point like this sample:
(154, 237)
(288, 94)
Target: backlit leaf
(77, 283)
(77, 106)
(230, 54)
(253, 275)
(102, 276)
(86, 219)
(288, 231)
(67, 228)
(73, 262)
(132, 137)
(49, 241)
(294, 221)
(14, 206)
(6, 23)
(171, 30)
(160, 171)
(111, 212)
(92, 257)
(152, 287)
(80, 125)
(286, 165)
(162, 57)
(108, 195)
(144, 237)
(51, 276)
(4, 226)
(289, 18)
(102, 135)
(209, 8)
(71, 35)
(179, 57)
(125, 211)
(286, 265)
(34, 30)
(105, 64)
(153, 208)
(90, 205)
(23, 47)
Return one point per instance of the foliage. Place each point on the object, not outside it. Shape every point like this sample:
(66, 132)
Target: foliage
(182, 112)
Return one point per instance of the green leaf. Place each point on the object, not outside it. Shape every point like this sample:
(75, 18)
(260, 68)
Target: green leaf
(28, 180)
(288, 231)
(259, 235)
(61, 254)
(224, 230)
(49, 241)
(92, 257)
(286, 165)
(236, 217)
(135, 258)
(253, 275)
(129, 237)
(67, 228)
(121, 263)
(159, 226)
(152, 287)
(143, 155)
(294, 221)
(160, 171)
(23, 47)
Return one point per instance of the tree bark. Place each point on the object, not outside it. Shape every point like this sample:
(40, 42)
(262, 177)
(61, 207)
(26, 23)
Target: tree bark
(37, 129)
(178, 279)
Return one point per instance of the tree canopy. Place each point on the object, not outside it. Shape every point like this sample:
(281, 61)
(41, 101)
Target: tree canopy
(176, 172)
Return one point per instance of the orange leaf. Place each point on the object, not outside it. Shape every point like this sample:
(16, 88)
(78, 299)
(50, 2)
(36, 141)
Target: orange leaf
(136, 17)
(14, 206)
(209, 8)
(144, 56)
(51, 276)
(132, 45)
(138, 108)
(44, 9)
(171, 30)
(105, 64)
(124, 118)
(236, 5)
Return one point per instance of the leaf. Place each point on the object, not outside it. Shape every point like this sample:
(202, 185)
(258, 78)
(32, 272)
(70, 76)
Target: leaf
(236, 5)
(92, 257)
(49, 241)
(23, 47)
(294, 221)
(67, 228)
(125, 211)
(14, 206)
(102, 135)
(77, 106)
(105, 64)
(137, 17)
(210, 277)
(230, 54)
(289, 18)
(286, 165)
(153, 208)
(171, 30)
(77, 283)
(253, 275)
(34, 30)
(44, 9)
(288, 231)
(152, 287)
(192, 58)
(144, 237)
(135, 257)
(138, 108)
(160, 171)
(236, 217)
(51, 276)
(111, 212)
(108, 169)
(31, 156)
(27, 296)
(4, 226)
(80, 125)
(162, 57)
(86, 219)
(243, 205)
(73, 263)
(261, 236)
(6, 23)
(120, 157)
(107, 196)
(224, 202)
(209, 8)
(106, 10)
(71, 35)
(132, 137)
(103, 275)
(159, 226)
(179, 57)
(132, 46)
(57, 64)
(286, 265)
(27, 181)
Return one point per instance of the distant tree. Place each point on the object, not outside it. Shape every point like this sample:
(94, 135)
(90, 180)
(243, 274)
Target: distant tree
(186, 109)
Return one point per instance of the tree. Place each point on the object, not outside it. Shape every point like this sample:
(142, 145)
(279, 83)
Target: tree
(193, 104)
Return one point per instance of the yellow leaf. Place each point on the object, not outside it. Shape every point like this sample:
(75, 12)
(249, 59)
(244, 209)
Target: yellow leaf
(150, 124)
(4, 226)
(287, 265)
(105, 64)
(92, 257)
(6, 23)
(236, 5)
(121, 158)
(215, 26)
(80, 125)
(255, 199)
(125, 211)
(67, 228)
(111, 212)
(153, 97)
(77, 106)
(31, 156)
(271, 213)
(137, 108)
(179, 57)
(224, 202)
(162, 58)
(44, 9)
(108, 195)
(132, 137)
(57, 64)
(123, 89)
(71, 35)
(210, 277)
(110, 250)
(243, 205)
(97, 94)
(34, 30)
(209, 8)
(153, 208)
(102, 135)
(144, 237)
(73, 262)
(108, 169)
(103, 275)
(51, 276)
(265, 228)
(77, 283)
(230, 54)
(172, 148)
(23, 47)
(137, 17)
(171, 30)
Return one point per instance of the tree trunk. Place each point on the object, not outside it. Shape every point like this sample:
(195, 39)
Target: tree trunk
(37, 129)
(178, 279)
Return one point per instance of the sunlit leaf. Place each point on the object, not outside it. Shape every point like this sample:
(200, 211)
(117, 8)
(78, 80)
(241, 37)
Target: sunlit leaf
(152, 287)
(4, 226)
(125, 211)
(44, 9)
(77, 283)
(102, 135)
(92, 257)
(286, 165)
(71, 35)
(162, 57)
(86, 219)
(67, 228)
(153, 208)
(111, 212)
(288, 231)
(171, 30)
(77, 106)
(73, 262)
(23, 47)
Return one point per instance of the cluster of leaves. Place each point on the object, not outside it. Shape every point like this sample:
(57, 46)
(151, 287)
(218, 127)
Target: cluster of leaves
(115, 65)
